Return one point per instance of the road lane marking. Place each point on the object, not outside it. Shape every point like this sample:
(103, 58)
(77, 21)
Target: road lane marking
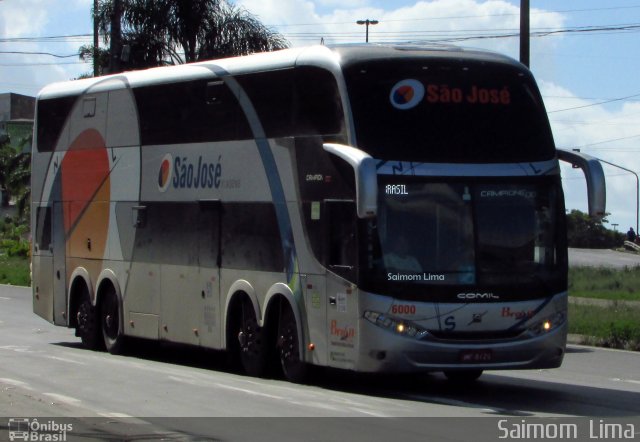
(463, 404)
(64, 399)
(116, 415)
(16, 383)
(16, 348)
(251, 392)
(5, 299)
(630, 381)
(70, 361)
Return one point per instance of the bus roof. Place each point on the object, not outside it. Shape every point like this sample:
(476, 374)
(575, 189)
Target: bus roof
(330, 57)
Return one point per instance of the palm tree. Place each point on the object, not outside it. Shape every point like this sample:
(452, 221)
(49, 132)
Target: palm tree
(20, 178)
(159, 32)
(15, 175)
(6, 152)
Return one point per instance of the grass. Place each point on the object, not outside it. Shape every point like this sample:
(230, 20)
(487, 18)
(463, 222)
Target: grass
(14, 270)
(613, 326)
(605, 283)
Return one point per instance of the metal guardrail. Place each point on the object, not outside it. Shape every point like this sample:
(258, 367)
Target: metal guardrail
(632, 246)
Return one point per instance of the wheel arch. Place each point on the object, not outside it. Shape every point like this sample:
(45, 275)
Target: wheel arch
(80, 283)
(277, 294)
(238, 290)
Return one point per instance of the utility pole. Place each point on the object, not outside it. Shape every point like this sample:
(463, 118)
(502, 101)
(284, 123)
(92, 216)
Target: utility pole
(114, 48)
(524, 32)
(367, 22)
(96, 67)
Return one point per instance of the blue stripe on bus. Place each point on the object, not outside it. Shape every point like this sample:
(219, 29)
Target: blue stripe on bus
(271, 169)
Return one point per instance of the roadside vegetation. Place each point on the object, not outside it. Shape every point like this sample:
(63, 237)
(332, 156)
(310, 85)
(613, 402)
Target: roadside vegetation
(14, 224)
(615, 326)
(605, 283)
(586, 232)
(14, 252)
(14, 271)
(610, 317)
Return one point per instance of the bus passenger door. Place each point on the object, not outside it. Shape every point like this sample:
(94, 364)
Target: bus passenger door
(341, 260)
(209, 273)
(42, 263)
(59, 247)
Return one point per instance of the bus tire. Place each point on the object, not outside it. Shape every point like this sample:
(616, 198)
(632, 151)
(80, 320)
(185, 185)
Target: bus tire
(110, 322)
(252, 342)
(463, 375)
(88, 325)
(288, 346)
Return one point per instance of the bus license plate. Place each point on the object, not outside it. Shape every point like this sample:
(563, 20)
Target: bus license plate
(475, 356)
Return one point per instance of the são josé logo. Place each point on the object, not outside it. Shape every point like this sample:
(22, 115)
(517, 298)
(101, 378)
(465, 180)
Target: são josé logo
(406, 94)
(187, 173)
(164, 175)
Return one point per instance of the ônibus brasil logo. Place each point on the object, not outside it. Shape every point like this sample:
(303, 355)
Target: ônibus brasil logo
(184, 173)
(406, 94)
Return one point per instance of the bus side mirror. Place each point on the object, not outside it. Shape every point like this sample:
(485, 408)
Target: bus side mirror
(596, 186)
(364, 168)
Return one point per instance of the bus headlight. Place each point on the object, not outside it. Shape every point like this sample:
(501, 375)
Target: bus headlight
(547, 324)
(398, 326)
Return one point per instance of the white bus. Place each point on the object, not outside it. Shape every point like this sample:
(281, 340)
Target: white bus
(377, 208)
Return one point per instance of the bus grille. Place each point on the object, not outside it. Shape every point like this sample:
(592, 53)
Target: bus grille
(499, 335)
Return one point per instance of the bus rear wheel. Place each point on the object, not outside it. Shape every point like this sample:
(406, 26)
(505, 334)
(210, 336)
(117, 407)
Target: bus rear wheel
(110, 322)
(87, 327)
(252, 341)
(288, 345)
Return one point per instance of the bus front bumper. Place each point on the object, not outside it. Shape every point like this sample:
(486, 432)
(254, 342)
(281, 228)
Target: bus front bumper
(389, 352)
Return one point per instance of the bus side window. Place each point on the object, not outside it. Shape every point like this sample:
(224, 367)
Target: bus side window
(43, 229)
(341, 230)
(89, 107)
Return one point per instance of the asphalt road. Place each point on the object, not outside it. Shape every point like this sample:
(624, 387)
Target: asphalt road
(602, 258)
(155, 391)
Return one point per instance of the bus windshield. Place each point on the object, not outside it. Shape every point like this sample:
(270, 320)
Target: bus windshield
(463, 235)
(448, 111)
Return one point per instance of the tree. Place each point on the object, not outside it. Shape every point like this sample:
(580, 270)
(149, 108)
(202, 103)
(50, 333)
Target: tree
(584, 231)
(160, 32)
(15, 175)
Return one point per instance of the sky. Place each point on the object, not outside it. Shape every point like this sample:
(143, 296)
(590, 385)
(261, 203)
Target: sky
(584, 55)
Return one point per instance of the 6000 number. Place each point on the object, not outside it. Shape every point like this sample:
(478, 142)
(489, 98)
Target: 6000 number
(403, 309)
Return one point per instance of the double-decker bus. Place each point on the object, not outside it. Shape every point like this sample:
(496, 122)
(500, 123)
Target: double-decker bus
(377, 208)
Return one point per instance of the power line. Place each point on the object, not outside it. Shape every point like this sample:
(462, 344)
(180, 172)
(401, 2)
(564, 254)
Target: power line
(38, 53)
(604, 142)
(594, 104)
(452, 36)
(42, 64)
(600, 28)
(46, 39)
(456, 17)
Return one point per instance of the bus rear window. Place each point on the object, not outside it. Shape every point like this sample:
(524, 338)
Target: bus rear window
(445, 111)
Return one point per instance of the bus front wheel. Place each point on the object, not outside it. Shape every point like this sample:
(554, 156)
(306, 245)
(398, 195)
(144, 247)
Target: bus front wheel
(110, 321)
(293, 367)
